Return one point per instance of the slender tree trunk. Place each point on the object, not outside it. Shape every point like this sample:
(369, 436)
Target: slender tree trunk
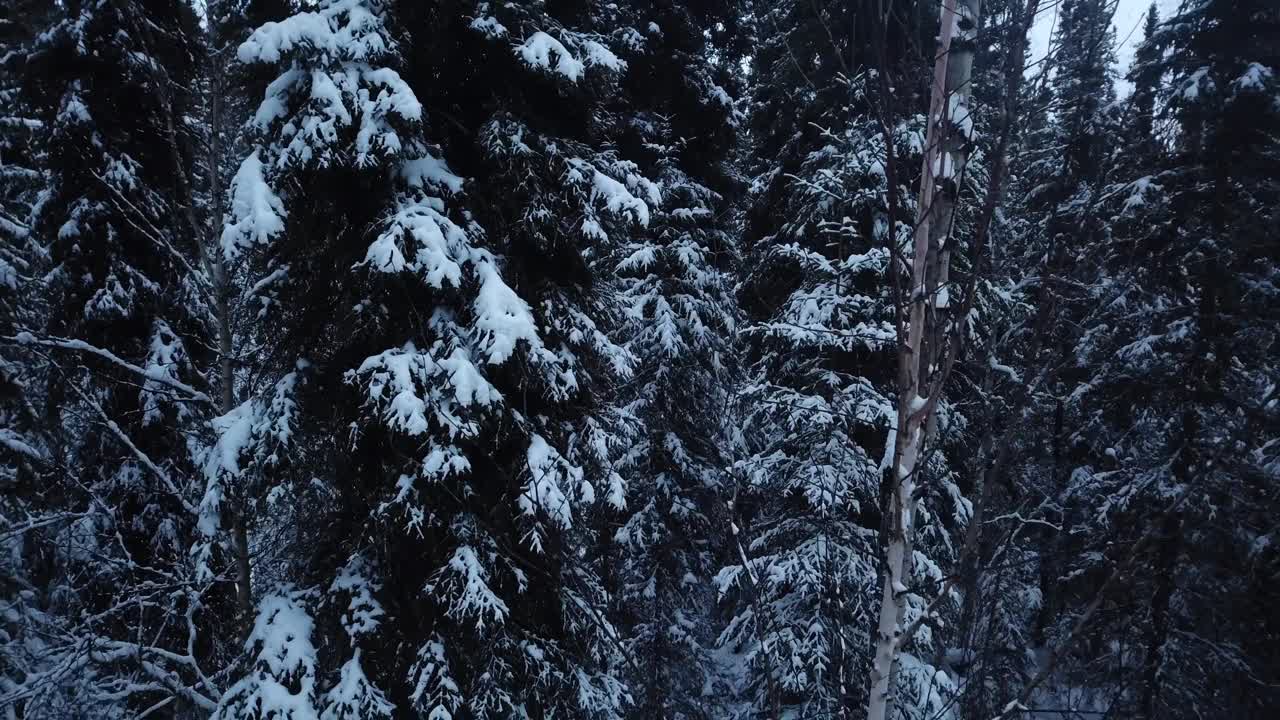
(990, 460)
(1166, 559)
(946, 153)
(222, 305)
(1050, 560)
(206, 237)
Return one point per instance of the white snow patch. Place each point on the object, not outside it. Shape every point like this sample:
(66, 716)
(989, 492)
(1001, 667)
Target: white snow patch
(430, 171)
(1254, 78)
(475, 598)
(257, 214)
(489, 27)
(549, 475)
(537, 50)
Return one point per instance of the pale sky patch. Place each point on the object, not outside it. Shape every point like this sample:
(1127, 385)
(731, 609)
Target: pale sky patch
(1127, 22)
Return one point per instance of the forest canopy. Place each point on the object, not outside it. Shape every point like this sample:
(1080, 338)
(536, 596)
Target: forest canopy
(702, 360)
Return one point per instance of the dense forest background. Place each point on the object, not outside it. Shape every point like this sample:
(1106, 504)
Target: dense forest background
(452, 360)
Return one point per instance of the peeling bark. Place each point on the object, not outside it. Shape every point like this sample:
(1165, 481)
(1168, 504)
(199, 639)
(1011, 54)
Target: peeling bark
(919, 354)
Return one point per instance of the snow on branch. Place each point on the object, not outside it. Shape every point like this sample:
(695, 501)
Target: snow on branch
(283, 683)
(344, 29)
(257, 212)
(538, 51)
(552, 479)
(474, 598)
(152, 374)
(335, 81)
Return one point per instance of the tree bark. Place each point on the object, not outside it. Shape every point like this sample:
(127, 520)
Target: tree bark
(207, 239)
(946, 153)
(1158, 634)
(222, 307)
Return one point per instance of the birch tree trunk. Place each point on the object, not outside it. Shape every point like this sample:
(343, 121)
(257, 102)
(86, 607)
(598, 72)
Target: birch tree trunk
(946, 153)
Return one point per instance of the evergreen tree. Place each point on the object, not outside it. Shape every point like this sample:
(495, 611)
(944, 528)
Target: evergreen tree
(679, 320)
(1175, 407)
(996, 576)
(121, 352)
(21, 254)
(476, 427)
(1062, 163)
(1145, 76)
(1127, 336)
(365, 359)
(24, 455)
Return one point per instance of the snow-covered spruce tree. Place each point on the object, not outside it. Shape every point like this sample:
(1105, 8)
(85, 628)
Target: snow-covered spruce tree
(1060, 165)
(1176, 430)
(681, 127)
(23, 455)
(1061, 161)
(111, 620)
(20, 177)
(429, 424)
(818, 406)
(1141, 136)
(21, 184)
